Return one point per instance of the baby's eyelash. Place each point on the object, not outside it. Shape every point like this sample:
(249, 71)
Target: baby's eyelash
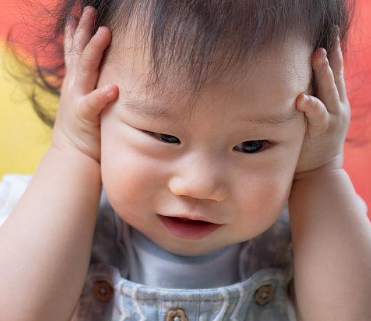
(262, 146)
(157, 135)
(255, 146)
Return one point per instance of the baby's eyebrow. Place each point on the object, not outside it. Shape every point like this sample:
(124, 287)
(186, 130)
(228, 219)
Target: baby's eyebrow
(276, 119)
(139, 107)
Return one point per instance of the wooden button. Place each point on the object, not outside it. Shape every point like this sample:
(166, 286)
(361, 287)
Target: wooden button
(103, 291)
(176, 315)
(264, 294)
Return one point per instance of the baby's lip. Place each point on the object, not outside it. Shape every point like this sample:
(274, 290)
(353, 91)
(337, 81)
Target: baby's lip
(188, 229)
(191, 217)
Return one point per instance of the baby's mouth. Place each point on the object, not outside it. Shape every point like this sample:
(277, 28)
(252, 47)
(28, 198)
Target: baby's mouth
(188, 229)
(189, 221)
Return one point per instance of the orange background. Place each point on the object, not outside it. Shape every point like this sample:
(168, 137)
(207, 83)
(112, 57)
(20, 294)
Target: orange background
(358, 78)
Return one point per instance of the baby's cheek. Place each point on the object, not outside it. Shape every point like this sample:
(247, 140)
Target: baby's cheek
(127, 180)
(263, 202)
(277, 188)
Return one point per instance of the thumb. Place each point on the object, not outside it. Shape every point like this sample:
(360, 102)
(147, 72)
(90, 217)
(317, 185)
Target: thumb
(316, 113)
(93, 103)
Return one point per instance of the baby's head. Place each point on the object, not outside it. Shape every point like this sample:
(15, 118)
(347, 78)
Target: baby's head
(206, 124)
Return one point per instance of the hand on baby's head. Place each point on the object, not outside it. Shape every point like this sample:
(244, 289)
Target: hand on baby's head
(77, 125)
(328, 115)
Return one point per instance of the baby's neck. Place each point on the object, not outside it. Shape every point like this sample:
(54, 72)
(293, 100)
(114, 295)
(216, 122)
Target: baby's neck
(154, 266)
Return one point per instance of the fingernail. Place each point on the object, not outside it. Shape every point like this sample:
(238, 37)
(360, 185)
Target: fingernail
(324, 53)
(321, 53)
(306, 98)
(321, 57)
(107, 88)
(99, 31)
(87, 9)
(337, 31)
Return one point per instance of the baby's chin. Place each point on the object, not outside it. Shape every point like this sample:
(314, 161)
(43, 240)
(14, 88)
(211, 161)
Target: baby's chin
(189, 248)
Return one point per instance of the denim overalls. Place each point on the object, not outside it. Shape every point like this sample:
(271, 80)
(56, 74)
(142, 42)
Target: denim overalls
(261, 295)
(265, 268)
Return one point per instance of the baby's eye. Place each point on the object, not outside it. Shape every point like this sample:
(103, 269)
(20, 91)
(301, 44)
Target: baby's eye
(164, 137)
(253, 146)
(248, 147)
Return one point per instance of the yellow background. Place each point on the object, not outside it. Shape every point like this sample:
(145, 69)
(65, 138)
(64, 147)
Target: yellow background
(23, 136)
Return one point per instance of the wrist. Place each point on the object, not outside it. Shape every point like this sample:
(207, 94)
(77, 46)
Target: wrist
(332, 168)
(80, 166)
(74, 157)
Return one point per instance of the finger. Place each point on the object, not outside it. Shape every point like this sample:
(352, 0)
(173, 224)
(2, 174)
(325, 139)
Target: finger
(93, 52)
(326, 89)
(91, 58)
(96, 101)
(315, 111)
(337, 66)
(84, 29)
(70, 29)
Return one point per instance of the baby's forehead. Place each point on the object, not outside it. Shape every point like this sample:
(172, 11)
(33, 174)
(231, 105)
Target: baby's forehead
(286, 60)
(270, 85)
(274, 77)
(265, 107)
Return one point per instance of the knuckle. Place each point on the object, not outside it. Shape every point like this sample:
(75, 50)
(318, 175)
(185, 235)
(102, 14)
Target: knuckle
(340, 73)
(332, 91)
(85, 63)
(344, 113)
(323, 112)
(84, 105)
(70, 54)
(94, 42)
(320, 108)
(325, 64)
(93, 46)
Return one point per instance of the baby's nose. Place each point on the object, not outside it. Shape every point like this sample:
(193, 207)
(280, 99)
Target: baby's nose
(200, 180)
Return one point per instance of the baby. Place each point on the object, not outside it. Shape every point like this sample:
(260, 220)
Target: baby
(182, 160)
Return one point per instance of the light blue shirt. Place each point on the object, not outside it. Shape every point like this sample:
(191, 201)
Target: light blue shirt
(153, 266)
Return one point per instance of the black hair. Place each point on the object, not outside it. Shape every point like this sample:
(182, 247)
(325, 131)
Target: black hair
(186, 35)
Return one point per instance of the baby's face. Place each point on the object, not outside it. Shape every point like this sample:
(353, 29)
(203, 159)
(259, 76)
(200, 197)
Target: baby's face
(210, 164)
